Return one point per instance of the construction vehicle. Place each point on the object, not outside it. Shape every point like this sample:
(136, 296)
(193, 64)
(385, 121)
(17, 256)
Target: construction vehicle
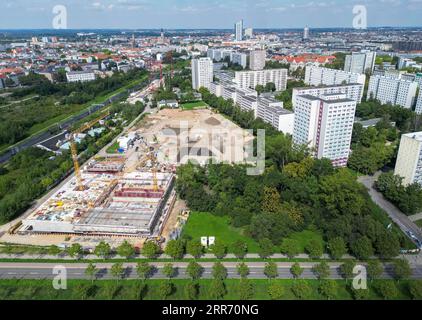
(74, 150)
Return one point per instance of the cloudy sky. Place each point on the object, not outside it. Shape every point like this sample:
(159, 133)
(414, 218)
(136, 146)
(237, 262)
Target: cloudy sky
(138, 14)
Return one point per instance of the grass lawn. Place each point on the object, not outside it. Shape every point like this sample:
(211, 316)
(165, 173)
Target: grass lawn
(419, 223)
(206, 224)
(194, 105)
(113, 148)
(129, 290)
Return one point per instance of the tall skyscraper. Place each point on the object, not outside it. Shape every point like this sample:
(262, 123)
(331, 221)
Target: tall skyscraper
(325, 124)
(306, 33)
(418, 109)
(409, 158)
(360, 62)
(239, 30)
(394, 90)
(202, 73)
(257, 59)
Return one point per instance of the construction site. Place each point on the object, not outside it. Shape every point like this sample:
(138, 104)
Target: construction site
(131, 195)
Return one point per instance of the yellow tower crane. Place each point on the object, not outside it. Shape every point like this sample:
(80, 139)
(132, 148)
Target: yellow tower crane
(74, 149)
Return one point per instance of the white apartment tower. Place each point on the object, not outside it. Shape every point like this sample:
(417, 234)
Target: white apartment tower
(360, 62)
(418, 109)
(393, 90)
(239, 30)
(250, 79)
(257, 60)
(409, 158)
(202, 73)
(306, 33)
(353, 91)
(325, 124)
(318, 76)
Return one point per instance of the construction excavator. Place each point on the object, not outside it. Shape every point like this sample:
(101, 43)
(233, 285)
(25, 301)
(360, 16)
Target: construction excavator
(74, 150)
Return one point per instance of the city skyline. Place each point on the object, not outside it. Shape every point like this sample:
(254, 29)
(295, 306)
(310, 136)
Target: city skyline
(142, 14)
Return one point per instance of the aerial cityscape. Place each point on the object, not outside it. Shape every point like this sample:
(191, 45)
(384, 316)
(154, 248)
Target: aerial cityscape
(239, 157)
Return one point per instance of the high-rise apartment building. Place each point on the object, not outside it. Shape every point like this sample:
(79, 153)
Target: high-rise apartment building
(318, 76)
(306, 33)
(418, 108)
(250, 79)
(325, 125)
(409, 158)
(360, 62)
(249, 33)
(353, 91)
(239, 30)
(257, 59)
(393, 90)
(202, 73)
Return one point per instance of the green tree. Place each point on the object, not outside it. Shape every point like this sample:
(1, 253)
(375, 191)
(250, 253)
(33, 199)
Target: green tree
(314, 249)
(175, 249)
(191, 290)
(322, 270)
(337, 248)
(168, 270)
(415, 289)
(165, 289)
(54, 250)
(117, 270)
(217, 289)
(270, 270)
(346, 269)
(276, 290)
(150, 249)
(401, 269)
(194, 248)
(240, 248)
(362, 248)
(266, 248)
(75, 250)
(246, 289)
(387, 289)
(360, 294)
(290, 248)
(125, 250)
(102, 250)
(301, 290)
(219, 271)
(296, 270)
(91, 271)
(219, 249)
(194, 270)
(144, 270)
(328, 288)
(374, 269)
(243, 270)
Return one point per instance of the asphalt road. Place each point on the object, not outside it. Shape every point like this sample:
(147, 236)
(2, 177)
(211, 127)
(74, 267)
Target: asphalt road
(77, 271)
(395, 214)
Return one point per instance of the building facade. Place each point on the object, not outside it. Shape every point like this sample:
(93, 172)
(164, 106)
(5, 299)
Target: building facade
(202, 73)
(353, 91)
(393, 90)
(239, 30)
(250, 79)
(80, 76)
(360, 62)
(325, 125)
(318, 76)
(409, 158)
(257, 60)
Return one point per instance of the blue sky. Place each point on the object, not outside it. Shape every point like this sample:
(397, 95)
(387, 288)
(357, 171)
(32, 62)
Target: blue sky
(23, 14)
